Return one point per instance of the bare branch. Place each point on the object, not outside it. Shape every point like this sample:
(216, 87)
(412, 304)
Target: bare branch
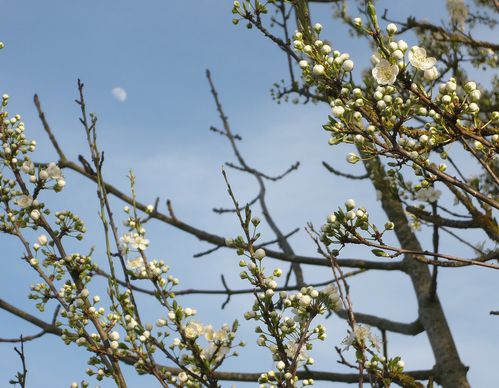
(342, 174)
(413, 328)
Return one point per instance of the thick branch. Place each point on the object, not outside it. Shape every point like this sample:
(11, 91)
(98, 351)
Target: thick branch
(46, 327)
(413, 328)
(441, 221)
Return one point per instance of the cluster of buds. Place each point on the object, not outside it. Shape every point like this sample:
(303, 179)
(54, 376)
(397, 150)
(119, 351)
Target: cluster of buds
(321, 60)
(247, 9)
(285, 318)
(198, 345)
(383, 369)
(347, 225)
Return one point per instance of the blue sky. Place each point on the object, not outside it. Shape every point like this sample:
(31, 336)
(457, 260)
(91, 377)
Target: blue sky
(158, 52)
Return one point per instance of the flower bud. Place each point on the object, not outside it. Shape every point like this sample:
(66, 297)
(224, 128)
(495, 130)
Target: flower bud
(259, 254)
(391, 28)
(318, 70)
(318, 27)
(349, 204)
(347, 65)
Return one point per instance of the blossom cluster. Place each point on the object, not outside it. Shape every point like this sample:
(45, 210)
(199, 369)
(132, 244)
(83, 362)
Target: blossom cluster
(109, 328)
(284, 317)
(449, 114)
(348, 224)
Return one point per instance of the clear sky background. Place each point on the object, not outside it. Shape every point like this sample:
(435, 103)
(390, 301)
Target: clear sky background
(157, 51)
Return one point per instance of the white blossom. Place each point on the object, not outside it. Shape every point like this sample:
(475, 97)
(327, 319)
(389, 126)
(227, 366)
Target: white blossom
(193, 329)
(385, 73)
(139, 242)
(182, 376)
(24, 201)
(418, 58)
(429, 194)
(135, 263)
(360, 333)
(54, 171)
(28, 166)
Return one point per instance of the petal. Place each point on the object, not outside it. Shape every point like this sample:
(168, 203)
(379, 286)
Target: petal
(428, 63)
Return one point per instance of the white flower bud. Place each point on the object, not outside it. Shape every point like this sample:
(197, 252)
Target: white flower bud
(474, 108)
(42, 239)
(423, 138)
(381, 104)
(260, 254)
(352, 158)
(402, 45)
(43, 175)
(326, 49)
(338, 111)
(35, 214)
(398, 54)
(347, 65)
(350, 215)
(450, 86)
(359, 139)
(318, 70)
(478, 145)
(280, 365)
(446, 99)
(114, 336)
(475, 95)
(470, 86)
(431, 74)
(391, 28)
(389, 225)
(349, 204)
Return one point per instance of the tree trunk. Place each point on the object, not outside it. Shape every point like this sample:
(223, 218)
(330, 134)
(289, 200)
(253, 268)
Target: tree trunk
(449, 370)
